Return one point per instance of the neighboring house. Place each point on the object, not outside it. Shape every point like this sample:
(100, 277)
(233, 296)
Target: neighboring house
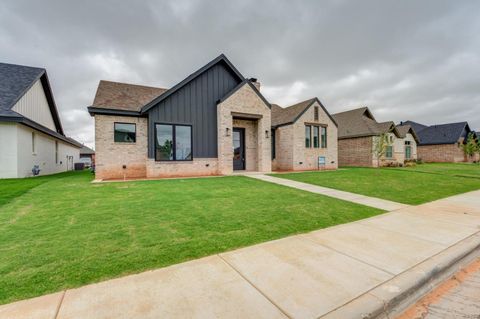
(87, 156)
(213, 122)
(358, 132)
(405, 147)
(31, 134)
(442, 143)
(304, 137)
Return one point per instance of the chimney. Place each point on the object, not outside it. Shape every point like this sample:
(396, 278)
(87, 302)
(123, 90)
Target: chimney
(255, 82)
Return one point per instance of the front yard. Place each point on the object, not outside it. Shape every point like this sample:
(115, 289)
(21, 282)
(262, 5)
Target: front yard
(62, 231)
(413, 185)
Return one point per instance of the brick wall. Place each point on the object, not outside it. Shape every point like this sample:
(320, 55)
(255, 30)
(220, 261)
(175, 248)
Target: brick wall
(196, 167)
(244, 100)
(307, 158)
(441, 153)
(355, 152)
(283, 148)
(110, 156)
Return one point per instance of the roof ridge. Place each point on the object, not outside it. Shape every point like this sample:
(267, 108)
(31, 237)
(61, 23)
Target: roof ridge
(351, 110)
(132, 84)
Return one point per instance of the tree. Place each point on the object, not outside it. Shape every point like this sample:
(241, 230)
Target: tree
(471, 146)
(380, 145)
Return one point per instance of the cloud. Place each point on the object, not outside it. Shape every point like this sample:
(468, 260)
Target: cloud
(413, 60)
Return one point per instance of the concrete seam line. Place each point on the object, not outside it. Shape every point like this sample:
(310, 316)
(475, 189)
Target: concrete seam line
(346, 255)
(57, 311)
(255, 287)
(398, 299)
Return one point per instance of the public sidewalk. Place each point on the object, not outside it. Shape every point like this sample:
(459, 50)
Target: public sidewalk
(346, 271)
(351, 197)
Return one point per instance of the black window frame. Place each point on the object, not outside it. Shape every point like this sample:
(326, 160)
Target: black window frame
(309, 138)
(321, 137)
(174, 141)
(316, 128)
(123, 142)
(274, 150)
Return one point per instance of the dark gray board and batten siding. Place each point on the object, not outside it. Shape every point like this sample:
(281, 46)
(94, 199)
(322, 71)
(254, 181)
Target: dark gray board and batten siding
(195, 104)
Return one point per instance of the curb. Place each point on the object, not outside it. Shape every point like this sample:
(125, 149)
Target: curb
(396, 295)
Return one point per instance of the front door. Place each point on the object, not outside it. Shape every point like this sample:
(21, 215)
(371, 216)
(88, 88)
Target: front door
(238, 149)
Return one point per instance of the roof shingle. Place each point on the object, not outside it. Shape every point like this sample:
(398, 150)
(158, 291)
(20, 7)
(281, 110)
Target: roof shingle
(360, 122)
(124, 96)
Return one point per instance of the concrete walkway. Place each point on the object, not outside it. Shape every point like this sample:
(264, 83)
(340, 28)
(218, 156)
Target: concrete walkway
(351, 197)
(346, 271)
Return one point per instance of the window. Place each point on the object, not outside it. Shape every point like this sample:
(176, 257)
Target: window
(308, 136)
(408, 152)
(407, 143)
(389, 152)
(316, 133)
(56, 152)
(315, 113)
(173, 142)
(125, 132)
(273, 144)
(324, 137)
(33, 142)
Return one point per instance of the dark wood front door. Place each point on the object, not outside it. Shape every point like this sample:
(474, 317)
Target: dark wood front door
(238, 149)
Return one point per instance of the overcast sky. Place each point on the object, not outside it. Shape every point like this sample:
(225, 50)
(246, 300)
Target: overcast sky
(406, 60)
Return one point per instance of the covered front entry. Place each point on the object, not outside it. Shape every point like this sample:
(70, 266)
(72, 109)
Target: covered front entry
(238, 149)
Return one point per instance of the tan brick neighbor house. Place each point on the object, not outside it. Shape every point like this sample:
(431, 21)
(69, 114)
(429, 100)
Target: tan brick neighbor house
(442, 143)
(304, 137)
(357, 134)
(214, 122)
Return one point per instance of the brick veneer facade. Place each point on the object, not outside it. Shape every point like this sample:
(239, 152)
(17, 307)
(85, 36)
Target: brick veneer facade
(355, 151)
(441, 153)
(111, 157)
(245, 100)
(290, 150)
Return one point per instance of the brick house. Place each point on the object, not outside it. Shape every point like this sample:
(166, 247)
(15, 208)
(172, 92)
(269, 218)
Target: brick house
(214, 122)
(304, 137)
(358, 132)
(405, 147)
(442, 143)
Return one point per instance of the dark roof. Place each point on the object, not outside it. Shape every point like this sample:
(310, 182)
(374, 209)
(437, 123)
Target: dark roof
(220, 59)
(86, 150)
(417, 127)
(403, 129)
(289, 115)
(443, 134)
(360, 122)
(124, 96)
(15, 81)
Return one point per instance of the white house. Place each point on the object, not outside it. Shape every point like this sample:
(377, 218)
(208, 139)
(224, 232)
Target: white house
(31, 134)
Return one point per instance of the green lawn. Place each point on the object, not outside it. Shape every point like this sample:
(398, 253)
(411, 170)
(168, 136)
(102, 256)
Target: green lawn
(424, 183)
(453, 169)
(62, 231)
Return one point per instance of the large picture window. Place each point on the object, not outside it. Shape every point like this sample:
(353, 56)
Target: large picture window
(173, 142)
(125, 132)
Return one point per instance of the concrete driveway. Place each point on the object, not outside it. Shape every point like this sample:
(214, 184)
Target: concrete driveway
(344, 271)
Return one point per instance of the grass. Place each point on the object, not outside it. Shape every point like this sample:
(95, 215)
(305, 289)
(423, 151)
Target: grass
(62, 231)
(426, 182)
(452, 169)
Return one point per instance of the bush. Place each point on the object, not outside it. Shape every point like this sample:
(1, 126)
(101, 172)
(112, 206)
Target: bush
(419, 161)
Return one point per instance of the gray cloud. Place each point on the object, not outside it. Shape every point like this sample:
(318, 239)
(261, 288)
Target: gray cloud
(414, 60)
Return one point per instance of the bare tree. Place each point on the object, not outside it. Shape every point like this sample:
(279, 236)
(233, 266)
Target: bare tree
(380, 145)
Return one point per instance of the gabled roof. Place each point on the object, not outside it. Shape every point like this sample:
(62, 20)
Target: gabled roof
(404, 129)
(289, 115)
(124, 96)
(417, 127)
(86, 150)
(15, 81)
(443, 134)
(360, 122)
(220, 59)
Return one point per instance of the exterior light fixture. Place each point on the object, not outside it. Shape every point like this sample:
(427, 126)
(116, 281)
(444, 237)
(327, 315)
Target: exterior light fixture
(228, 131)
(266, 133)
